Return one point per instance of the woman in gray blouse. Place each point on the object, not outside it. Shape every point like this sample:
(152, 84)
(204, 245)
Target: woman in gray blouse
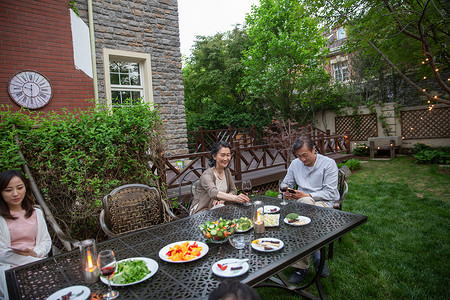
(216, 184)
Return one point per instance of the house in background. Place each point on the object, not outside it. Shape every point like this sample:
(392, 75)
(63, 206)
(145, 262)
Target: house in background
(54, 59)
(339, 66)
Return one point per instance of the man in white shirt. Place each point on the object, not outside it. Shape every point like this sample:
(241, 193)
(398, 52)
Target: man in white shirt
(316, 177)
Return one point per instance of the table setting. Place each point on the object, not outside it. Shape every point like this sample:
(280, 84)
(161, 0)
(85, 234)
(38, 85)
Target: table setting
(196, 273)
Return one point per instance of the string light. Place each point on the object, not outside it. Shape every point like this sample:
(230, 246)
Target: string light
(424, 77)
(437, 70)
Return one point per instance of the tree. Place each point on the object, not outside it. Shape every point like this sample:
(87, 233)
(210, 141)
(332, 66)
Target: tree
(214, 96)
(405, 33)
(284, 64)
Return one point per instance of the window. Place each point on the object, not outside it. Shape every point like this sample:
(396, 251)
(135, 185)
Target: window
(340, 70)
(340, 33)
(127, 77)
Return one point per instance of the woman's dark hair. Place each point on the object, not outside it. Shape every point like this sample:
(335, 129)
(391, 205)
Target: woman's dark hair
(215, 149)
(233, 289)
(27, 203)
(301, 141)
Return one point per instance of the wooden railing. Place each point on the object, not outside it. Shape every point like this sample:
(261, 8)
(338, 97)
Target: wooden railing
(247, 158)
(202, 140)
(244, 160)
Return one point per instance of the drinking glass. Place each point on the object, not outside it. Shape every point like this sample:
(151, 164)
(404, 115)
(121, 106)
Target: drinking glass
(239, 241)
(283, 189)
(247, 188)
(107, 267)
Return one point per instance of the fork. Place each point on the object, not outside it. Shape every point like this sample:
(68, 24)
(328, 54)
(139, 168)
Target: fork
(237, 261)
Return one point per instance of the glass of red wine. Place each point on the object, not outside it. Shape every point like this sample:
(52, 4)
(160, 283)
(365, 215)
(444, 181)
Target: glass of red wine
(247, 188)
(283, 189)
(107, 267)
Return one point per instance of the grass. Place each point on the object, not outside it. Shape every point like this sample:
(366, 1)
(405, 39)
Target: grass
(403, 251)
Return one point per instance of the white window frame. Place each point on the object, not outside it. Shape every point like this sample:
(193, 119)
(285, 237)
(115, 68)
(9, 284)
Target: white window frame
(340, 33)
(340, 71)
(144, 60)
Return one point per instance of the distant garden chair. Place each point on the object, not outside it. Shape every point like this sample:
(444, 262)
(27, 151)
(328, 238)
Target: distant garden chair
(343, 190)
(132, 207)
(187, 180)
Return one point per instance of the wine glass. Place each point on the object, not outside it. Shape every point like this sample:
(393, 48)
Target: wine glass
(247, 188)
(239, 241)
(283, 189)
(107, 267)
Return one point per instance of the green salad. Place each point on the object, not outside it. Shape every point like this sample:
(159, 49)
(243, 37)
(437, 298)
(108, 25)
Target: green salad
(243, 223)
(292, 216)
(130, 271)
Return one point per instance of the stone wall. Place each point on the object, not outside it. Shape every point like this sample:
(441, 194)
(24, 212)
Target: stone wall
(151, 27)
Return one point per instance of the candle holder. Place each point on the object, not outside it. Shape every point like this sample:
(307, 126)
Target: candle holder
(258, 217)
(89, 261)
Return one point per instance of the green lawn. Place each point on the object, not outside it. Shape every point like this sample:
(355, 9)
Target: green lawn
(403, 251)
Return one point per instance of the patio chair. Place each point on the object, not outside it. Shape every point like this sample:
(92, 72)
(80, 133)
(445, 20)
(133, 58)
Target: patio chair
(188, 180)
(343, 190)
(132, 207)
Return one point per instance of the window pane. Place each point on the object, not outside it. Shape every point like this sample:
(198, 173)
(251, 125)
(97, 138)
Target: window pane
(114, 78)
(113, 67)
(116, 100)
(124, 79)
(135, 79)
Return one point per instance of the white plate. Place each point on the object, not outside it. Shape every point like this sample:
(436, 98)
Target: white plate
(270, 209)
(152, 266)
(271, 220)
(227, 272)
(75, 289)
(300, 218)
(165, 257)
(261, 247)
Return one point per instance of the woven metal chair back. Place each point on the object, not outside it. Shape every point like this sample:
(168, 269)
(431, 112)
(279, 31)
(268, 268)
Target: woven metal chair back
(131, 207)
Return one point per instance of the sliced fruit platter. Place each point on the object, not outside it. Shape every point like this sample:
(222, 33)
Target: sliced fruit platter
(218, 231)
(243, 224)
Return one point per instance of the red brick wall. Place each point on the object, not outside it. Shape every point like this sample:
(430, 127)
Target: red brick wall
(36, 35)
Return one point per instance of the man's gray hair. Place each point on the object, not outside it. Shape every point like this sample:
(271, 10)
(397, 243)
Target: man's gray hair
(301, 141)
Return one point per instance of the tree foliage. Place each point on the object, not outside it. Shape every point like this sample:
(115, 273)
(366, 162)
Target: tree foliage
(284, 65)
(214, 96)
(404, 33)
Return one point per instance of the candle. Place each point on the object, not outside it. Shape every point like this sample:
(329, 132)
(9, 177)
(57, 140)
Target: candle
(91, 273)
(259, 224)
(89, 261)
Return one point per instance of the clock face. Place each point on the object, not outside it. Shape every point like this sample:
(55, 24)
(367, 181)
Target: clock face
(30, 89)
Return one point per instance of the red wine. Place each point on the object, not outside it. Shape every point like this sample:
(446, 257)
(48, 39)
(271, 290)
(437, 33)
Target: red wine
(107, 271)
(283, 189)
(247, 190)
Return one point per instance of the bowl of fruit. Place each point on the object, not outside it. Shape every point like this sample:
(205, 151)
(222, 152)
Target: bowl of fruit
(218, 231)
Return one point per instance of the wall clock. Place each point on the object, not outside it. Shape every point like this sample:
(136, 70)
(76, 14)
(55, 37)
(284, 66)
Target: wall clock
(30, 89)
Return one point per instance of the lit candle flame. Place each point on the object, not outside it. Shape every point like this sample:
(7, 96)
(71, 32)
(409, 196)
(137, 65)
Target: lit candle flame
(258, 218)
(89, 261)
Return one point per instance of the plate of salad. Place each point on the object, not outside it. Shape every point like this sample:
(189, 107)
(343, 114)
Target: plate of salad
(184, 251)
(296, 220)
(243, 224)
(132, 271)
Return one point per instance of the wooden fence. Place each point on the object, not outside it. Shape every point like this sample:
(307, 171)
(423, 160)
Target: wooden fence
(249, 160)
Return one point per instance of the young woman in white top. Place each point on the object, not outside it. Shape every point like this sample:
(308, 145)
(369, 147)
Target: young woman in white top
(24, 237)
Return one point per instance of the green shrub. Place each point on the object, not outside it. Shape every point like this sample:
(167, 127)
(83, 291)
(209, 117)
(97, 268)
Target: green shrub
(352, 164)
(77, 158)
(432, 157)
(361, 150)
(418, 147)
(271, 193)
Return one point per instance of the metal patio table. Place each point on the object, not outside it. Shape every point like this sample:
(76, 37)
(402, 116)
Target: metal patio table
(192, 280)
